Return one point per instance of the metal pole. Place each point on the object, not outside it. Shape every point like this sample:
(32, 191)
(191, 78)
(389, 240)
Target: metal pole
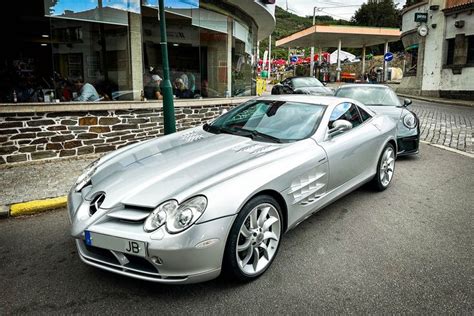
(311, 64)
(169, 119)
(269, 56)
(338, 69)
(385, 70)
(363, 62)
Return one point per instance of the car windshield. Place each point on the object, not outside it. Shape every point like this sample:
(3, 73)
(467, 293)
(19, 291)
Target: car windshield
(270, 121)
(306, 82)
(370, 95)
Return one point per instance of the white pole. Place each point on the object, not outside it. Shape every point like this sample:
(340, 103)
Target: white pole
(269, 55)
(385, 69)
(338, 70)
(311, 63)
(363, 62)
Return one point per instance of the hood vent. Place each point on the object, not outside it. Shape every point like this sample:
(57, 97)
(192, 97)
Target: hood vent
(131, 213)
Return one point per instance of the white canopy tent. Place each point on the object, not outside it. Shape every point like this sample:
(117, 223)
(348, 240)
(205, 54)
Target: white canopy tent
(344, 56)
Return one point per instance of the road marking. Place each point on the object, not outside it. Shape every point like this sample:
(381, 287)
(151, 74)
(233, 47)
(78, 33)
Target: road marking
(449, 149)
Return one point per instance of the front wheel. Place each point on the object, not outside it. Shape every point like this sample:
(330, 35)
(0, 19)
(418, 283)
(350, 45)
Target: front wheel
(385, 168)
(254, 239)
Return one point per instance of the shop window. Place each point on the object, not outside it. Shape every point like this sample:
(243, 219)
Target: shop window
(450, 54)
(470, 49)
(243, 70)
(411, 60)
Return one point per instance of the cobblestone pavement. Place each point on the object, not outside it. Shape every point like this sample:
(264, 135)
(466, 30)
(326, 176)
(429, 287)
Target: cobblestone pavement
(40, 180)
(447, 125)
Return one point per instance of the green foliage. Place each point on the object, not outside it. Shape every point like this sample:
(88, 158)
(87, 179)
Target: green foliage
(409, 3)
(288, 23)
(383, 14)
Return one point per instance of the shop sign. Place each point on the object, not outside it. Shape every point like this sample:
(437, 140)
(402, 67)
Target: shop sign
(421, 17)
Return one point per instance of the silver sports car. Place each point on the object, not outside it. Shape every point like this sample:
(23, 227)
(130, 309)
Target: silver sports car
(181, 208)
(381, 99)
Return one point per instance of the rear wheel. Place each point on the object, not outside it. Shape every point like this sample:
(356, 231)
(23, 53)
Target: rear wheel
(254, 239)
(385, 168)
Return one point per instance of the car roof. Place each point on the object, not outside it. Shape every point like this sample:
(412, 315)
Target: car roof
(305, 98)
(364, 85)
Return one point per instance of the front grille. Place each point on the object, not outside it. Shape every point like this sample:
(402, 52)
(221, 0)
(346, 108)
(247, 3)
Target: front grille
(136, 265)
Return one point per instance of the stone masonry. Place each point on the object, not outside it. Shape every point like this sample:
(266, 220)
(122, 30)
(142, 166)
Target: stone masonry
(36, 136)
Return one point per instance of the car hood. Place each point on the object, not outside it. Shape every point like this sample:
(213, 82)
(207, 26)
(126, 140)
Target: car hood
(391, 111)
(314, 91)
(161, 169)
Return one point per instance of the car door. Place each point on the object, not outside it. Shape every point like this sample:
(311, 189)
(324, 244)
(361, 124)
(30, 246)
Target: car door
(350, 152)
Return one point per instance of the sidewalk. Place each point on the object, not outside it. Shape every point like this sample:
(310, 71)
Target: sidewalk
(24, 182)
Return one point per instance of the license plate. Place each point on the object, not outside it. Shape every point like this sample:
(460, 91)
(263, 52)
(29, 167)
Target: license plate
(127, 246)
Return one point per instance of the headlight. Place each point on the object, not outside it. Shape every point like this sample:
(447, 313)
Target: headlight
(85, 177)
(177, 217)
(158, 217)
(409, 120)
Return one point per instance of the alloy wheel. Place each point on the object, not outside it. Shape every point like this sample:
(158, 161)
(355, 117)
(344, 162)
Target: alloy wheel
(386, 166)
(258, 239)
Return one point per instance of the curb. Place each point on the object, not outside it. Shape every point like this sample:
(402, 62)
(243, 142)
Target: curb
(457, 151)
(436, 100)
(37, 206)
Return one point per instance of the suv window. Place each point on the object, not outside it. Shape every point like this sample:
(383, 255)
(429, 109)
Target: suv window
(346, 111)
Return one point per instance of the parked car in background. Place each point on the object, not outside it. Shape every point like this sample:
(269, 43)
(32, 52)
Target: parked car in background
(183, 207)
(382, 99)
(302, 85)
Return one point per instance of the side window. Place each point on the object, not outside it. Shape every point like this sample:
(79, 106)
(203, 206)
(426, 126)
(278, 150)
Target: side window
(364, 115)
(346, 111)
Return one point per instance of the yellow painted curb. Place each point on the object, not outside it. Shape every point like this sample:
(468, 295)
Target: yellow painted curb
(37, 206)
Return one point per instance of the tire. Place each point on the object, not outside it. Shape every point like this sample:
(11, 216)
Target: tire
(385, 168)
(262, 219)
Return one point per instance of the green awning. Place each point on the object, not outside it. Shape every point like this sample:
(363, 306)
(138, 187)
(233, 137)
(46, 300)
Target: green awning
(412, 47)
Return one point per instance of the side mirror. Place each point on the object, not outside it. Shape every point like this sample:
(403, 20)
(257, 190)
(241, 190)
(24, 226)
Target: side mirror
(406, 102)
(324, 83)
(339, 126)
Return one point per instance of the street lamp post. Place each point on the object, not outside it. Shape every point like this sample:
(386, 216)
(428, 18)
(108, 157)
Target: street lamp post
(169, 119)
(311, 67)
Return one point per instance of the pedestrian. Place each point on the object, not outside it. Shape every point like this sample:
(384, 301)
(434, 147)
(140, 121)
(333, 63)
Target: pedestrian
(372, 75)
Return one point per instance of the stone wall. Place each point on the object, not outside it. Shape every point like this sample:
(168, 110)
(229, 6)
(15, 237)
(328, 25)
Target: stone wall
(46, 135)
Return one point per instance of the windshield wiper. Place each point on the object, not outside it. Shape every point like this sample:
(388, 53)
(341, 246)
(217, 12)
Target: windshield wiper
(255, 134)
(217, 129)
(240, 132)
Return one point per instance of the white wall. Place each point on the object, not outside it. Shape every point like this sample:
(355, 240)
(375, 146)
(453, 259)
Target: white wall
(464, 81)
(468, 28)
(434, 48)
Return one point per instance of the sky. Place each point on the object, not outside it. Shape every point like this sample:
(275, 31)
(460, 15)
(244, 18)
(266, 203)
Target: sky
(338, 9)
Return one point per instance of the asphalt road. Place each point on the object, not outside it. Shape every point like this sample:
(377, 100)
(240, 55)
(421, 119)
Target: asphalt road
(406, 250)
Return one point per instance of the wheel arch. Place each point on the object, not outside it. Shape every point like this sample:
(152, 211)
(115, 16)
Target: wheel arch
(281, 202)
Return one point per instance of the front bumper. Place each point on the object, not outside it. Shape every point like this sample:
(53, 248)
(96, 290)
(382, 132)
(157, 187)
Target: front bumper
(182, 258)
(408, 145)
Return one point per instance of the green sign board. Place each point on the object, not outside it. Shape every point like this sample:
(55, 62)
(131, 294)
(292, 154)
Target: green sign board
(421, 17)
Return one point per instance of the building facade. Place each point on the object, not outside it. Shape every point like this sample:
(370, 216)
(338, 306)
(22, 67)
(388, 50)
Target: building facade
(438, 36)
(115, 46)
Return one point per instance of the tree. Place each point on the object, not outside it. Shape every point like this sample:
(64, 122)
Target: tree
(382, 14)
